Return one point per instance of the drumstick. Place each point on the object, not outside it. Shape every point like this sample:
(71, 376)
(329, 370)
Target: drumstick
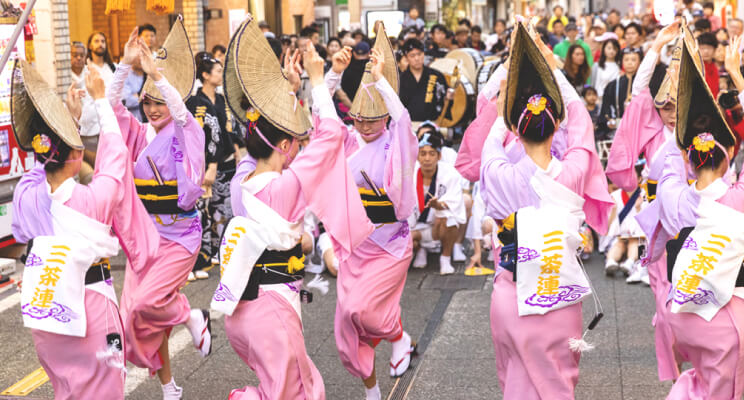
(155, 171)
(371, 184)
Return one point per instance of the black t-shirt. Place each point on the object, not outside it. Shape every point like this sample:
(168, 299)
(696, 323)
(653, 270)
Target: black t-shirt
(213, 118)
(229, 126)
(352, 77)
(424, 98)
(613, 103)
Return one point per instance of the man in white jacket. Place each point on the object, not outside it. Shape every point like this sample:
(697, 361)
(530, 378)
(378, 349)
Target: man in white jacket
(441, 206)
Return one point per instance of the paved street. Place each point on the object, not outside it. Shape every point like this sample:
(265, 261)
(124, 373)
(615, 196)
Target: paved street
(448, 316)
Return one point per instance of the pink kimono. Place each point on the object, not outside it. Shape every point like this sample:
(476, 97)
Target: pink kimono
(715, 348)
(151, 303)
(641, 131)
(72, 364)
(371, 280)
(469, 163)
(533, 358)
(267, 332)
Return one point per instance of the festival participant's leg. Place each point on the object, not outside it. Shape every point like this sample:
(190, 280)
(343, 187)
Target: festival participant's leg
(329, 255)
(418, 249)
(533, 359)
(458, 253)
(614, 255)
(667, 358)
(307, 243)
(639, 273)
(487, 227)
(715, 350)
(153, 304)
(631, 255)
(447, 234)
(86, 367)
(267, 335)
(370, 284)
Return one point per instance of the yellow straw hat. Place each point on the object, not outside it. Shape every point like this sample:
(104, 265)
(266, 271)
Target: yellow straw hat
(253, 70)
(668, 90)
(30, 94)
(697, 109)
(368, 104)
(527, 63)
(176, 62)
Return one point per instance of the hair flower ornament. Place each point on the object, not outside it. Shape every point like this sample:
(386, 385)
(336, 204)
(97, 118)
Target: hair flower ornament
(252, 115)
(536, 104)
(704, 142)
(41, 143)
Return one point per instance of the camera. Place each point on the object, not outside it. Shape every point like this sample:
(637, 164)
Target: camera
(729, 101)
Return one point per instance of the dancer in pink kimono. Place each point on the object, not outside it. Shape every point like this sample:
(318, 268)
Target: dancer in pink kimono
(647, 128)
(261, 257)
(370, 282)
(68, 297)
(168, 157)
(536, 351)
(701, 225)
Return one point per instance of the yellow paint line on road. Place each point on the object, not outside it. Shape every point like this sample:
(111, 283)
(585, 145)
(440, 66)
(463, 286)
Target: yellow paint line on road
(28, 384)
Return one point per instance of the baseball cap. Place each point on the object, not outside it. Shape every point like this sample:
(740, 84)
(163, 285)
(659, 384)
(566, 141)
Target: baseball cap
(362, 48)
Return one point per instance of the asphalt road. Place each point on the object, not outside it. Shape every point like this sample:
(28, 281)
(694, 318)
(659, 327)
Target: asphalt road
(448, 316)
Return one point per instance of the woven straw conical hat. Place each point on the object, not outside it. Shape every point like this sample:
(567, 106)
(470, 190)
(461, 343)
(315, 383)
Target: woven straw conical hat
(176, 62)
(231, 84)
(697, 109)
(30, 94)
(668, 90)
(368, 104)
(253, 71)
(529, 73)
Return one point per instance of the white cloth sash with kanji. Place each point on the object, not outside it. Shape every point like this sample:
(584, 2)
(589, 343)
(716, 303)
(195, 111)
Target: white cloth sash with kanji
(704, 274)
(549, 276)
(53, 291)
(245, 239)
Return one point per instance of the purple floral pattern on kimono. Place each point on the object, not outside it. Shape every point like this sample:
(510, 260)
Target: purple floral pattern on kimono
(177, 154)
(223, 294)
(567, 294)
(57, 311)
(701, 297)
(690, 244)
(525, 254)
(401, 233)
(33, 260)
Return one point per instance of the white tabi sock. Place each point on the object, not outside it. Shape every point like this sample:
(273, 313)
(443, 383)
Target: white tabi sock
(171, 391)
(374, 393)
(445, 265)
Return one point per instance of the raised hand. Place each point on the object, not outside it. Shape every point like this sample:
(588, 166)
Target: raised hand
(94, 83)
(131, 48)
(314, 66)
(292, 68)
(501, 99)
(378, 64)
(547, 53)
(666, 35)
(74, 101)
(733, 62)
(148, 62)
(341, 60)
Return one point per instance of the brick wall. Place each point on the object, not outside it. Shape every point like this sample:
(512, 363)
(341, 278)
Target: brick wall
(217, 31)
(128, 20)
(61, 41)
(193, 19)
